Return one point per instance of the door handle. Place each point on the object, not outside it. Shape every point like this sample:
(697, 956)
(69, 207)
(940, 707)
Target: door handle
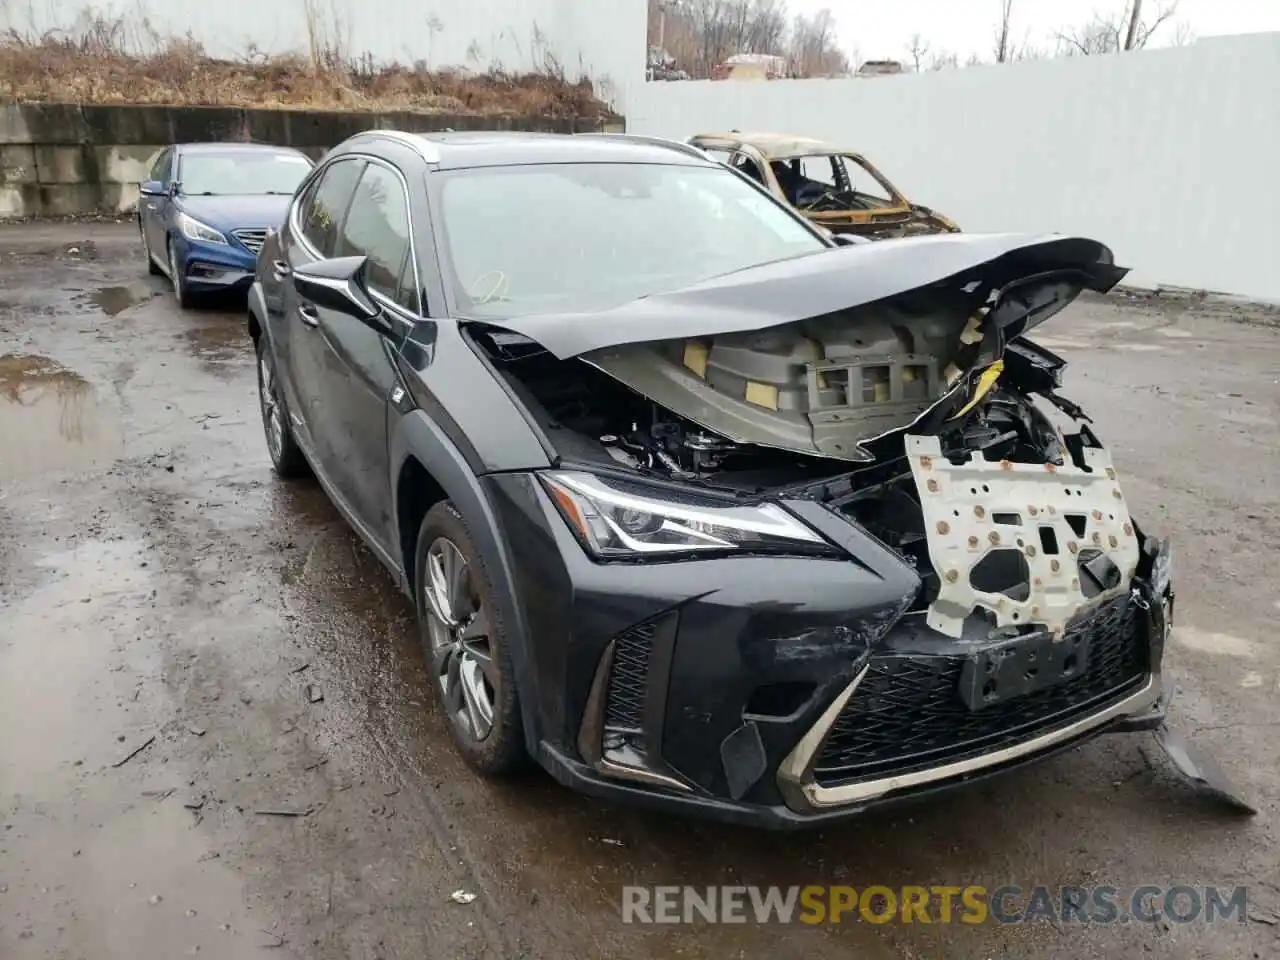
(307, 312)
(280, 270)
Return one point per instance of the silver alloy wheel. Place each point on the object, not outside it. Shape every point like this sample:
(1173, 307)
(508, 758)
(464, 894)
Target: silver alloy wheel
(461, 656)
(174, 273)
(272, 414)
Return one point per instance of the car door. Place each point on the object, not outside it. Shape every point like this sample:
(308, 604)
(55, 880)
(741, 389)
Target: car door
(313, 235)
(354, 362)
(152, 210)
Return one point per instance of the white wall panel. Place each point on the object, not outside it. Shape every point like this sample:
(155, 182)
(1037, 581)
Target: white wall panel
(1169, 156)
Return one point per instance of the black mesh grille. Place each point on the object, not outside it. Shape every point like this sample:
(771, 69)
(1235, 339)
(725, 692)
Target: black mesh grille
(624, 707)
(907, 713)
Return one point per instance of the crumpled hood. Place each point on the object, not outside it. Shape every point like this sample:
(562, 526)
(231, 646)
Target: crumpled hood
(820, 355)
(839, 279)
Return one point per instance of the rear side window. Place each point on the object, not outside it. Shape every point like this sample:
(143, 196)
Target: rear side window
(326, 202)
(377, 227)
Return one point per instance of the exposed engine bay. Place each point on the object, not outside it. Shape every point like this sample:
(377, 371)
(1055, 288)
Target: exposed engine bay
(1033, 553)
(925, 417)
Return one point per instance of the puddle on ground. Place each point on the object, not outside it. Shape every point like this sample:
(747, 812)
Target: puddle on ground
(113, 300)
(220, 345)
(52, 419)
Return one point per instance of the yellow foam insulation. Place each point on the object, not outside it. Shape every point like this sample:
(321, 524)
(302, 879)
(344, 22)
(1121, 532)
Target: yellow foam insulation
(762, 395)
(972, 332)
(695, 357)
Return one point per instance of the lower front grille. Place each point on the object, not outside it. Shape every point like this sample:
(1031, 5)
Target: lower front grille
(907, 713)
(624, 701)
(252, 239)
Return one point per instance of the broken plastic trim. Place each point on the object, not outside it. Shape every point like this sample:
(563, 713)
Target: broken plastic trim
(1047, 515)
(1201, 770)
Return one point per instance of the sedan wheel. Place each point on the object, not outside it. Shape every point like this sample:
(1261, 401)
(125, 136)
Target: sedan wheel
(146, 252)
(286, 456)
(461, 661)
(175, 276)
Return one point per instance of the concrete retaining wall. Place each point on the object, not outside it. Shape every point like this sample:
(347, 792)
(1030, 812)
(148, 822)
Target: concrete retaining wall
(64, 160)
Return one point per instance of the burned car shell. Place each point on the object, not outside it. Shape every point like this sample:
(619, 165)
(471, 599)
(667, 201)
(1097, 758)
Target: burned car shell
(777, 690)
(894, 216)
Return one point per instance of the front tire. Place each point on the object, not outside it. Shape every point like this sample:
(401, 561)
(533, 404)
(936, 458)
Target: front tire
(287, 458)
(465, 644)
(152, 269)
(180, 292)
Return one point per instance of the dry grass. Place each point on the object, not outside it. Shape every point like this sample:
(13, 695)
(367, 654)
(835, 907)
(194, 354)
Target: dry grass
(106, 61)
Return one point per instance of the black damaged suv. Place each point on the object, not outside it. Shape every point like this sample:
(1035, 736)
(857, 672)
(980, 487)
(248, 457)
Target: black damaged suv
(699, 507)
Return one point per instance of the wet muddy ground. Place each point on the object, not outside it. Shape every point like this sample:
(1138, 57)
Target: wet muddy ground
(216, 736)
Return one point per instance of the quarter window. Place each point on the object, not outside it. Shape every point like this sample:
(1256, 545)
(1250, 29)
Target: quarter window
(325, 204)
(377, 227)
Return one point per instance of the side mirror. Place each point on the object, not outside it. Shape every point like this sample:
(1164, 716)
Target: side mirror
(151, 188)
(339, 285)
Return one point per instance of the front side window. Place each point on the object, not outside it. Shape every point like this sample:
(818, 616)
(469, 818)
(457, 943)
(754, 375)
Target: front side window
(322, 209)
(570, 237)
(377, 227)
(242, 173)
(160, 169)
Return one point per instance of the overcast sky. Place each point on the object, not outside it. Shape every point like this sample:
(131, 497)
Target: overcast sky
(880, 29)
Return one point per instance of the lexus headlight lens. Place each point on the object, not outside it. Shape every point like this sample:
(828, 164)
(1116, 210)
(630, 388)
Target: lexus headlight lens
(193, 229)
(615, 522)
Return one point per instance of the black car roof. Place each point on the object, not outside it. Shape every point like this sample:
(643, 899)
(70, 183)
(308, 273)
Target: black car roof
(498, 148)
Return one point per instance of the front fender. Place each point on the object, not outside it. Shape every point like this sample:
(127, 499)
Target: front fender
(415, 434)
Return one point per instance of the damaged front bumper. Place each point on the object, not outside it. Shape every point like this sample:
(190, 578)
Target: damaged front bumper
(785, 691)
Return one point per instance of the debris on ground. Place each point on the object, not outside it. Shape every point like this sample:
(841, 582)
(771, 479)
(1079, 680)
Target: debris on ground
(135, 751)
(314, 693)
(462, 897)
(274, 812)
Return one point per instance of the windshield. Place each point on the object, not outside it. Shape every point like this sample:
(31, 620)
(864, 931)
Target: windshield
(575, 237)
(242, 173)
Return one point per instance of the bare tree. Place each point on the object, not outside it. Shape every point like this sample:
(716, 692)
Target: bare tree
(943, 60)
(814, 49)
(918, 51)
(1002, 31)
(699, 35)
(1125, 29)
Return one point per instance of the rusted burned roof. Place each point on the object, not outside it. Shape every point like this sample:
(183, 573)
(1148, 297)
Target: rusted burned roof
(781, 146)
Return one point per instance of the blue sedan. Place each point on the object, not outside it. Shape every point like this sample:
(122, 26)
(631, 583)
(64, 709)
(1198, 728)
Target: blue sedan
(206, 208)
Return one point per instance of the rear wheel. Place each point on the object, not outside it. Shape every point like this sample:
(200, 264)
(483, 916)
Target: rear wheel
(286, 456)
(466, 646)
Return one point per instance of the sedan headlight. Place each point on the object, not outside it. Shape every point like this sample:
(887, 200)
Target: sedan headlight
(614, 521)
(193, 229)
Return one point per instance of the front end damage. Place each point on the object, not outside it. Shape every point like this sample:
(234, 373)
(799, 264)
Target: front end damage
(975, 593)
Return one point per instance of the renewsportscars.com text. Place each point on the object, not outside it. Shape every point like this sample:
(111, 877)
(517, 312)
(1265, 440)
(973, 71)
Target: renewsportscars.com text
(972, 905)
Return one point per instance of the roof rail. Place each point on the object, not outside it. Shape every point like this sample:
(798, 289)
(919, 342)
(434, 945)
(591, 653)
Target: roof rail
(679, 145)
(419, 144)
